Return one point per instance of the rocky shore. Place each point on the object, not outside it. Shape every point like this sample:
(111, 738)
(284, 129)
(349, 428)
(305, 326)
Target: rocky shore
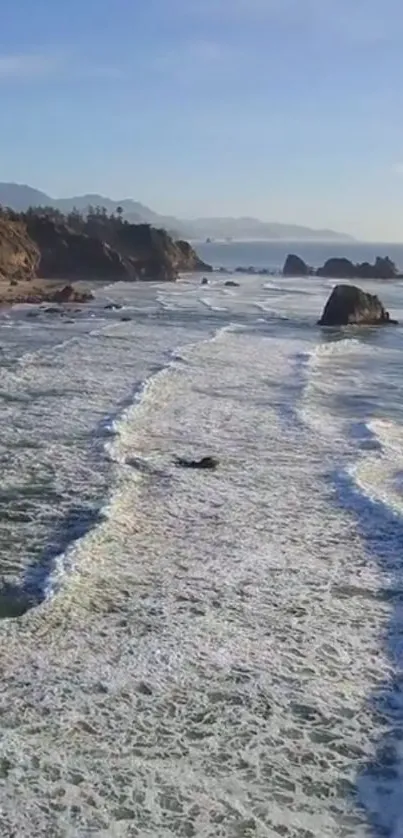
(43, 291)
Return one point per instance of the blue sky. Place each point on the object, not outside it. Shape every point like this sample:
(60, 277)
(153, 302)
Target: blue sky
(289, 110)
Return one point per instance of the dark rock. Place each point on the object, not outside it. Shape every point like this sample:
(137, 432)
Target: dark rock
(348, 304)
(125, 319)
(204, 281)
(112, 307)
(69, 294)
(68, 254)
(295, 266)
(52, 310)
(383, 268)
(338, 269)
(144, 688)
(231, 284)
(210, 463)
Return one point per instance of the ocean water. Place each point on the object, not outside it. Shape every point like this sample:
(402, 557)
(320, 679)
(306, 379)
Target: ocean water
(273, 254)
(191, 653)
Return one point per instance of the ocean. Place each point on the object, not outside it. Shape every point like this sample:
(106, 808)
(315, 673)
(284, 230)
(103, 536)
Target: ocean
(193, 653)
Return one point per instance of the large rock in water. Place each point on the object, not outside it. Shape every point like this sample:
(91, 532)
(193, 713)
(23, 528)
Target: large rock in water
(337, 268)
(295, 266)
(348, 304)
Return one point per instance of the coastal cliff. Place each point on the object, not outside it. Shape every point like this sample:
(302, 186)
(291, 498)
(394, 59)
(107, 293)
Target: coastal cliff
(66, 254)
(19, 255)
(44, 244)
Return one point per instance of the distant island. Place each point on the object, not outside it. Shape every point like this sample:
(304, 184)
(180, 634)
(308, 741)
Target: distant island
(20, 197)
(341, 268)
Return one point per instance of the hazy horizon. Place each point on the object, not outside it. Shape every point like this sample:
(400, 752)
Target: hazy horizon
(282, 110)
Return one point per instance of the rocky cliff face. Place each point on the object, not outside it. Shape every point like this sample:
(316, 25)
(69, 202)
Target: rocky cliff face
(188, 259)
(107, 248)
(67, 254)
(150, 253)
(19, 255)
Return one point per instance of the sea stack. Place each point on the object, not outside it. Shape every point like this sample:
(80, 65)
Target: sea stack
(349, 305)
(295, 266)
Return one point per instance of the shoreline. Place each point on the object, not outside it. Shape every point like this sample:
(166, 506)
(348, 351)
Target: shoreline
(38, 291)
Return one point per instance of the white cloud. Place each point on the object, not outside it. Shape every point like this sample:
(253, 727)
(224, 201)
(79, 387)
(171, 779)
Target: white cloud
(21, 67)
(59, 65)
(362, 21)
(194, 61)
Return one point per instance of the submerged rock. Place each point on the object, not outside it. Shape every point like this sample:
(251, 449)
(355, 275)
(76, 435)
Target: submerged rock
(210, 463)
(230, 283)
(204, 281)
(295, 266)
(348, 304)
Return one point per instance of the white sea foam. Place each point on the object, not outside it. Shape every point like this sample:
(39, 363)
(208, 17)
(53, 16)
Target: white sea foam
(206, 668)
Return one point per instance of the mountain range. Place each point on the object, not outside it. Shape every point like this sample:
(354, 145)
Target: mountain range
(20, 197)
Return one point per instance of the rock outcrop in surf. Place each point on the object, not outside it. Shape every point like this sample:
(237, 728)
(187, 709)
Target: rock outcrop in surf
(383, 268)
(349, 305)
(295, 266)
(342, 268)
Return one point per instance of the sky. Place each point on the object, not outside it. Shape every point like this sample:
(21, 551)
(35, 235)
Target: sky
(286, 110)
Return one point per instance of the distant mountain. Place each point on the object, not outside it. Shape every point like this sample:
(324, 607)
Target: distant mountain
(253, 229)
(20, 197)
